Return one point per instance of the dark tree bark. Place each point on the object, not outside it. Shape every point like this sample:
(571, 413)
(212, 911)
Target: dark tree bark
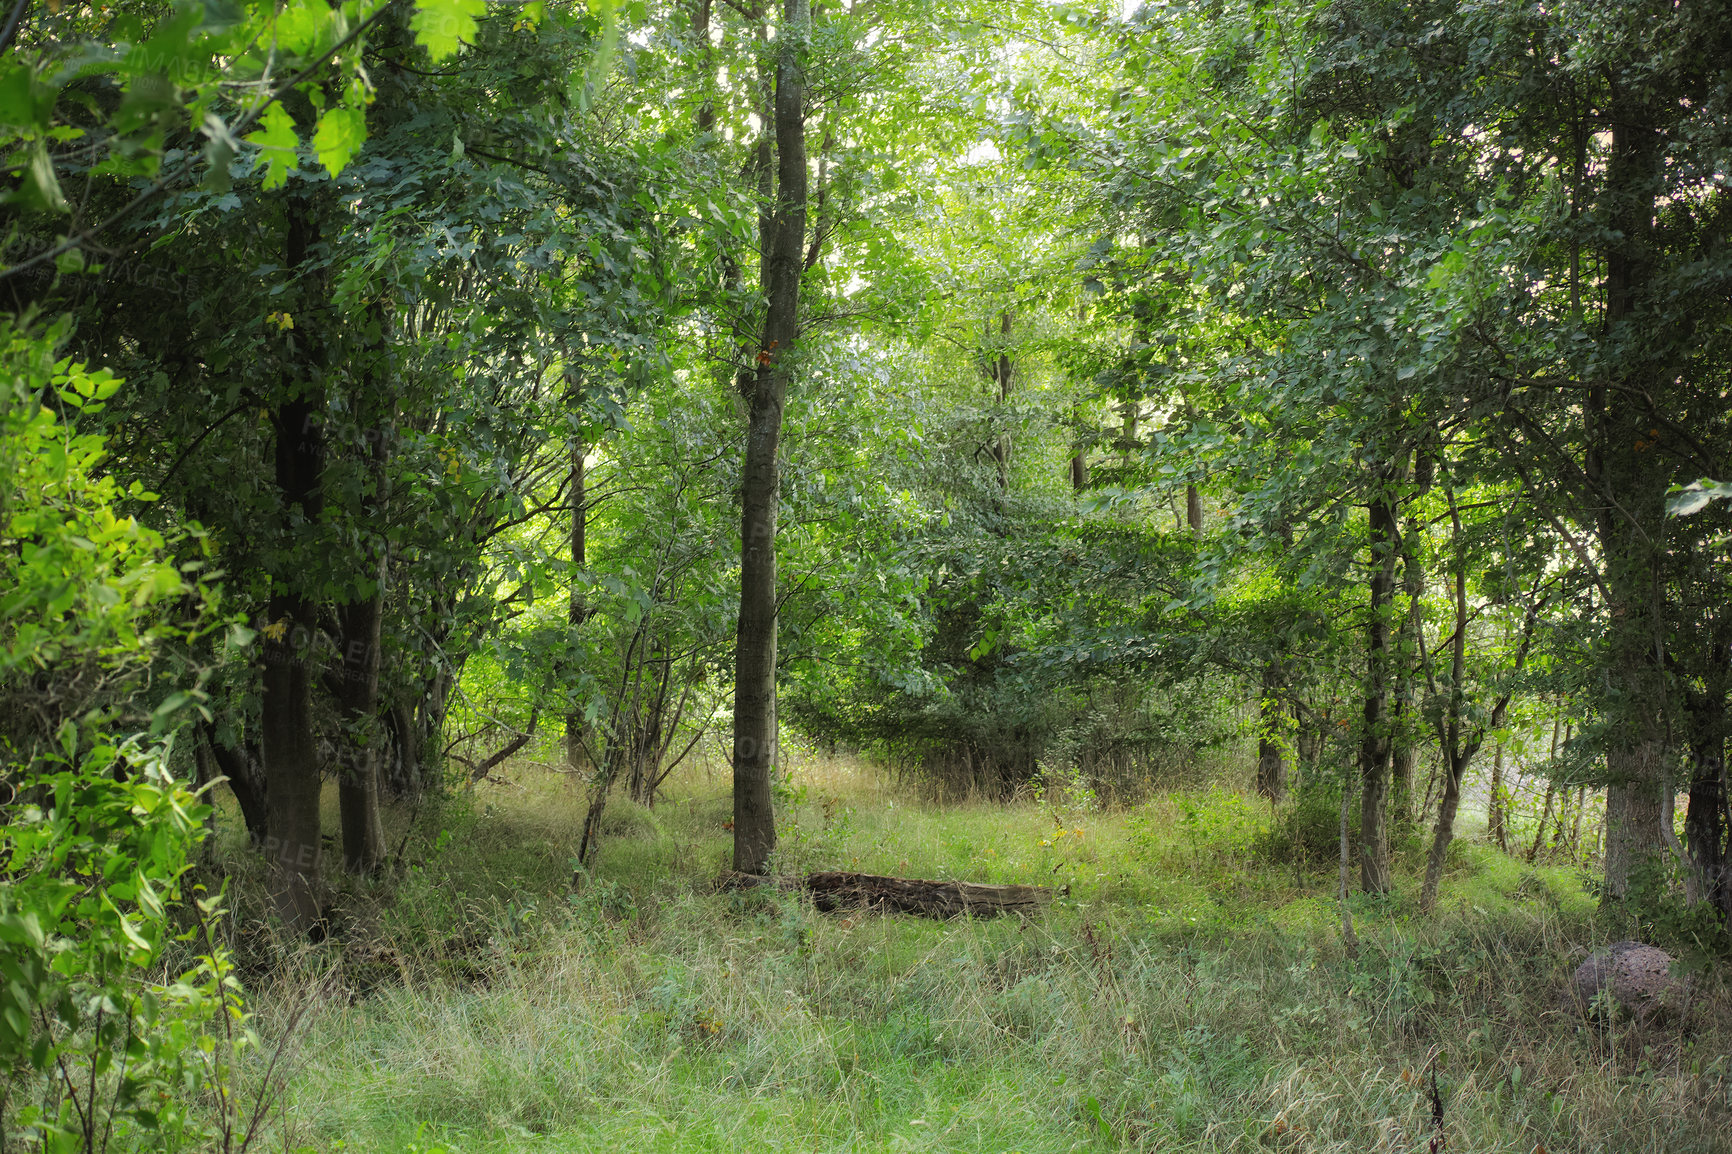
(1194, 509)
(245, 778)
(930, 899)
(1374, 741)
(831, 891)
(1631, 490)
(404, 778)
(291, 759)
(361, 631)
(1708, 821)
(358, 702)
(576, 726)
(782, 240)
(706, 118)
(999, 373)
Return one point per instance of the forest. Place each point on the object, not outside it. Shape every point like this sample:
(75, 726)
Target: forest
(1004, 575)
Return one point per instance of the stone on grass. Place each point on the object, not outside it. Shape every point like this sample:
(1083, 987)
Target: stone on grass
(1630, 976)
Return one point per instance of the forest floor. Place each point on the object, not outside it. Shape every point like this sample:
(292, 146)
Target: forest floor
(1190, 992)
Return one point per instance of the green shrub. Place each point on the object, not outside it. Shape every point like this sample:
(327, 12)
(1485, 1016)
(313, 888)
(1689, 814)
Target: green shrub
(1307, 827)
(97, 831)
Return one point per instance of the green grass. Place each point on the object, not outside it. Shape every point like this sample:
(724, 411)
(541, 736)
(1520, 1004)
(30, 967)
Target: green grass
(1186, 995)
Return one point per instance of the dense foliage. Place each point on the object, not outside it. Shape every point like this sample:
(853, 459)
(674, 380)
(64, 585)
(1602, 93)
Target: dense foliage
(1042, 399)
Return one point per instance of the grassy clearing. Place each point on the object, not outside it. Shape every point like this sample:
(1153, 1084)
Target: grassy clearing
(1185, 996)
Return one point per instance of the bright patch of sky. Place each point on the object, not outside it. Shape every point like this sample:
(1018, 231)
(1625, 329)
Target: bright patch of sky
(983, 153)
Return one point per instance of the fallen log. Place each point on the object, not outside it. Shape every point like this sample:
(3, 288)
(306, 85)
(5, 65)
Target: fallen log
(836, 890)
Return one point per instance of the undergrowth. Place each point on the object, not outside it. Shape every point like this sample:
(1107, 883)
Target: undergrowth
(1189, 992)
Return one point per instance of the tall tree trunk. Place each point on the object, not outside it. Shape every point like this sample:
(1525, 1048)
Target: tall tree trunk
(577, 612)
(706, 118)
(1194, 509)
(1708, 830)
(1000, 376)
(782, 243)
(1403, 723)
(358, 788)
(1374, 742)
(1707, 820)
(1632, 490)
(1454, 767)
(290, 750)
(362, 627)
(1349, 942)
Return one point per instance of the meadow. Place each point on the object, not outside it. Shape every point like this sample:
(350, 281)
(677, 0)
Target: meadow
(1190, 991)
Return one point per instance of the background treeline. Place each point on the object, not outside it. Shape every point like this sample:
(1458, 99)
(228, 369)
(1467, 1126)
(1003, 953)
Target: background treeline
(1029, 395)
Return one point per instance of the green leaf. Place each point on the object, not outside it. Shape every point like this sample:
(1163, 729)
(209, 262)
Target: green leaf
(43, 182)
(277, 144)
(340, 134)
(1693, 498)
(19, 103)
(442, 26)
(302, 26)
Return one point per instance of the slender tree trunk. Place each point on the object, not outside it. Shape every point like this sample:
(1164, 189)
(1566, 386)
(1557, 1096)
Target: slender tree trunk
(1000, 375)
(782, 242)
(291, 756)
(1403, 724)
(1349, 942)
(1374, 747)
(1194, 509)
(577, 612)
(1576, 854)
(706, 118)
(1444, 831)
(1495, 814)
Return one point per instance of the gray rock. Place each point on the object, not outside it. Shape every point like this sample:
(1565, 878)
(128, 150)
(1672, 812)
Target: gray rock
(1637, 979)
